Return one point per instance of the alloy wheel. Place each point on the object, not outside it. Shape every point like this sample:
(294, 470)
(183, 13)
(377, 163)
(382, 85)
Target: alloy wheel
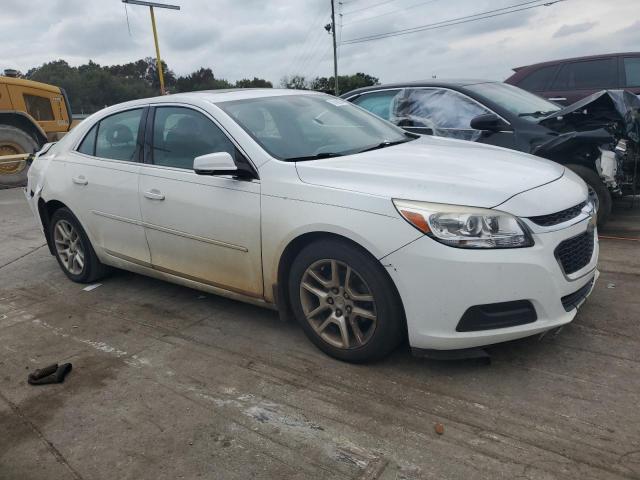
(338, 304)
(69, 247)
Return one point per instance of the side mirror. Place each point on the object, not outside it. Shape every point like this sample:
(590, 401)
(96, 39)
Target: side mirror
(218, 163)
(490, 122)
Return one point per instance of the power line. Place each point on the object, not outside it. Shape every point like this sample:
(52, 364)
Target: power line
(368, 7)
(316, 47)
(453, 21)
(308, 45)
(389, 13)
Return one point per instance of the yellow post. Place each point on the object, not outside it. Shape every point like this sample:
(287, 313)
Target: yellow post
(159, 62)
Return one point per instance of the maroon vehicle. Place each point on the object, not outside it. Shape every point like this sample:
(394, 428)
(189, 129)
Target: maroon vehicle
(571, 79)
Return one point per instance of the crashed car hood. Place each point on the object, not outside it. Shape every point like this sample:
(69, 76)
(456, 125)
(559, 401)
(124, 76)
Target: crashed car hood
(435, 169)
(597, 111)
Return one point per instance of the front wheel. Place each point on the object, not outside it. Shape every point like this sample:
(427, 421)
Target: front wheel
(345, 301)
(598, 188)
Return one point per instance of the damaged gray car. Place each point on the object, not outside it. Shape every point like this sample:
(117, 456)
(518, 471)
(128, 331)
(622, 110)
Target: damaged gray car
(597, 137)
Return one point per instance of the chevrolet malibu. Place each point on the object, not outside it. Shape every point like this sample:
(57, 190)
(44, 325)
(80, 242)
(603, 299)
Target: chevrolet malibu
(310, 205)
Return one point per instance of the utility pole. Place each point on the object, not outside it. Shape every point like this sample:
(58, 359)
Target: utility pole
(155, 33)
(335, 50)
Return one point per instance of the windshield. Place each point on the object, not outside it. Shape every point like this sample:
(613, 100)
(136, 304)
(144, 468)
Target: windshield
(306, 127)
(515, 100)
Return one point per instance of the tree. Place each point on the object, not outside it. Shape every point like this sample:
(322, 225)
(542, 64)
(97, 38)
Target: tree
(346, 83)
(255, 83)
(91, 87)
(202, 79)
(297, 82)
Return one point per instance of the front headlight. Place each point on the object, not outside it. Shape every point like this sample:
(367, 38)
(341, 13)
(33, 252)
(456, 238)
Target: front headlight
(465, 227)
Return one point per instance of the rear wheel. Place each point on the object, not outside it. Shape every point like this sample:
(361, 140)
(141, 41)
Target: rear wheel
(345, 301)
(73, 249)
(14, 141)
(598, 188)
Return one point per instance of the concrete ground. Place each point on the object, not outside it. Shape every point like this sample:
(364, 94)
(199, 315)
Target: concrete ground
(170, 383)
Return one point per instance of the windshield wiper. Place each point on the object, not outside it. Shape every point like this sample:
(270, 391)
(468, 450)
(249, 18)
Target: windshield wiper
(317, 156)
(537, 113)
(386, 143)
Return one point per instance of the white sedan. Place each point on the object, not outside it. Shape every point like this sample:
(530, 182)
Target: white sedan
(306, 203)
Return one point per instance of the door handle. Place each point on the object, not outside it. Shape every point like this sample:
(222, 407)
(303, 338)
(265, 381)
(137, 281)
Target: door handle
(557, 99)
(79, 180)
(154, 194)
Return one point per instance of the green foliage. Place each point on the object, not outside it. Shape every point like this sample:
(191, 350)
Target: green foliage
(255, 83)
(297, 82)
(201, 79)
(91, 87)
(346, 83)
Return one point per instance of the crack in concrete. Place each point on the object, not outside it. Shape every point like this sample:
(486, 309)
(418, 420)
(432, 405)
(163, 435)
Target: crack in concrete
(50, 446)
(22, 256)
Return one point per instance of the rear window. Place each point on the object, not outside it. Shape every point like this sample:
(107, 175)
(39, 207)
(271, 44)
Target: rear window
(117, 136)
(632, 71)
(114, 137)
(588, 74)
(38, 107)
(538, 80)
(88, 145)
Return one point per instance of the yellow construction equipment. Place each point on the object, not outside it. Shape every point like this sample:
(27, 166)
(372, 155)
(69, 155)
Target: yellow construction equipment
(31, 114)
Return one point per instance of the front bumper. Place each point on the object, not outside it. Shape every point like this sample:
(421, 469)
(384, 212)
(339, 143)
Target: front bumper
(438, 283)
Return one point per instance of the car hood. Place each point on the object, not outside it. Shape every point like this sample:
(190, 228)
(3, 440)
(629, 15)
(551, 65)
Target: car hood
(434, 169)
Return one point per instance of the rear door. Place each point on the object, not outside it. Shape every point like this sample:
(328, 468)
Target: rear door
(631, 73)
(578, 79)
(199, 227)
(102, 174)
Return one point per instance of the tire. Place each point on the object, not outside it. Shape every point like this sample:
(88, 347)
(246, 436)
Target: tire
(64, 222)
(369, 291)
(593, 180)
(14, 141)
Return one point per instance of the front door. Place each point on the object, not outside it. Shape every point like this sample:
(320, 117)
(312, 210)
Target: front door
(199, 227)
(448, 113)
(577, 80)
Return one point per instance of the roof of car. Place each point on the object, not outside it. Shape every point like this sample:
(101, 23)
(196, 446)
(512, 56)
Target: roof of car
(447, 83)
(224, 95)
(571, 59)
(211, 96)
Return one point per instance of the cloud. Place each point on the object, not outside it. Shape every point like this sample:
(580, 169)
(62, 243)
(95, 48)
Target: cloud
(271, 39)
(566, 30)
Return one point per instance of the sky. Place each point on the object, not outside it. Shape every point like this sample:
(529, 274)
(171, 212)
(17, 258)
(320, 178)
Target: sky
(273, 38)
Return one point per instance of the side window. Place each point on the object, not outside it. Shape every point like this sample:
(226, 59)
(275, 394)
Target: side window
(538, 80)
(379, 103)
(117, 136)
(632, 71)
(181, 134)
(88, 145)
(441, 109)
(588, 74)
(38, 107)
